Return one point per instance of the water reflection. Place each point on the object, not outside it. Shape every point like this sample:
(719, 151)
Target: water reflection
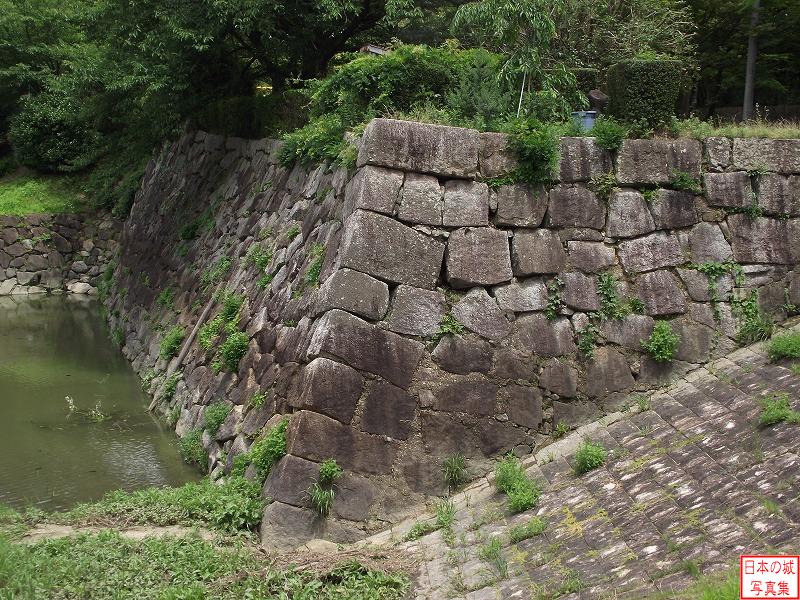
(52, 348)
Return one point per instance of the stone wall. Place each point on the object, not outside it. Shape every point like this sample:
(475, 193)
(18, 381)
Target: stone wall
(521, 277)
(55, 253)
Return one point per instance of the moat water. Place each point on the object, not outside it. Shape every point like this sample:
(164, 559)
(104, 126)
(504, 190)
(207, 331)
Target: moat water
(74, 419)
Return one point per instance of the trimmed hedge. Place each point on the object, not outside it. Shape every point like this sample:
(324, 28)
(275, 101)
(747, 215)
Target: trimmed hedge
(645, 93)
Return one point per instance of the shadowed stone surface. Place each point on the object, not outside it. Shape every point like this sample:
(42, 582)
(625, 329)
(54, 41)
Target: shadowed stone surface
(731, 190)
(388, 410)
(416, 311)
(469, 396)
(495, 157)
(560, 378)
(478, 256)
(466, 204)
(544, 337)
(479, 312)
(576, 206)
(661, 293)
(463, 354)
(580, 291)
(650, 252)
(590, 257)
(375, 189)
(330, 388)
(581, 159)
(707, 244)
(421, 200)
(537, 252)
(654, 161)
(354, 292)
(780, 156)
(673, 209)
(522, 296)
(520, 205)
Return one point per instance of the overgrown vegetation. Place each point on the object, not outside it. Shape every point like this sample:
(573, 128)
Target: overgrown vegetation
(604, 184)
(171, 342)
(777, 409)
(264, 453)
(609, 133)
(214, 416)
(510, 479)
(786, 345)
(662, 345)
(192, 451)
(454, 469)
(321, 492)
(754, 324)
(25, 194)
(588, 457)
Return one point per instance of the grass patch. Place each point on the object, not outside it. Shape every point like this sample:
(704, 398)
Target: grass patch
(532, 528)
(588, 457)
(106, 565)
(454, 469)
(192, 451)
(171, 342)
(445, 517)
(786, 345)
(215, 415)
(695, 128)
(510, 479)
(25, 195)
(492, 553)
(754, 325)
(776, 409)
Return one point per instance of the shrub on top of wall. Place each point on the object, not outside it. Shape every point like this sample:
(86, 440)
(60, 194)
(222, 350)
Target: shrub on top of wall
(645, 92)
(537, 147)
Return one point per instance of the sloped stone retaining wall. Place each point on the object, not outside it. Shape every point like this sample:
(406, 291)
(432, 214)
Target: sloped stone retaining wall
(415, 239)
(55, 253)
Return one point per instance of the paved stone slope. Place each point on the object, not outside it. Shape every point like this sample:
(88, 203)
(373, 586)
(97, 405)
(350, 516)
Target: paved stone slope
(691, 482)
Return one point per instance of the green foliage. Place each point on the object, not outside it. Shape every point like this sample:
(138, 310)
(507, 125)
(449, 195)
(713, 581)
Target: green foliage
(233, 349)
(560, 430)
(611, 305)
(491, 552)
(758, 128)
(317, 253)
(171, 342)
(258, 255)
(445, 514)
(217, 271)
(292, 232)
(268, 450)
(192, 451)
(754, 325)
(683, 181)
(321, 499)
(234, 505)
(419, 529)
(786, 345)
(210, 332)
(662, 345)
(25, 195)
(264, 281)
(166, 299)
(535, 526)
(329, 472)
(454, 469)
(510, 479)
(636, 306)
(258, 399)
(231, 305)
(215, 415)
(107, 283)
(777, 409)
(118, 336)
(321, 139)
(477, 99)
(170, 386)
(589, 456)
(449, 326)
(537, 148)
(604, 184)
(609, 133)
(645, 92)
(587, 340)
(554, 301)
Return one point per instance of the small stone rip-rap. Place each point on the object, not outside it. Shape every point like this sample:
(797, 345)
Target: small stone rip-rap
(689, 485)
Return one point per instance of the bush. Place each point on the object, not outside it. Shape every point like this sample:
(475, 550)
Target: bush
(645, 92)
(50, 133)
(776, 409)
(663, 342)
(329, 472)
(510, 479)
(537, 147)
(264, 453)
(320, 140)
(215, 415)
(589, 456)
(532, 528)
(786, 345)
(233, 349)
(609, 133)
(587, 79)
(192, 451)
(171, 343)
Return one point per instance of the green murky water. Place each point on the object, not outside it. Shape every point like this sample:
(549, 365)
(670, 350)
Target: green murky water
(51, 349)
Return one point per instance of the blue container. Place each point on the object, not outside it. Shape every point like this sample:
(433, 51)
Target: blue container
(584, 119)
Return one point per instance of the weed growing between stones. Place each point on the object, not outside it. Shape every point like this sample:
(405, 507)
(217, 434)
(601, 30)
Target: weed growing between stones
(537, 147)
(776, 409)
(170, 386)
(257, 400)
(454, 469)
(215, 274)
(258, 255)
(604, 184)
(171, 342)
(589, 456)
(264, 281)
(321, 499)
(713, 271)
(609, 133)
(492, 553)
(215, 415)
(192, 451)
(684, 182)
(445, 516)
(264, 453)
(554, 301)
(118, 336)
(317, 253)
(535, 526)
(449, 326)
(560, 430)
(329, 472)
(107, 282)
(663, 342)
(172, 416)
(510, 479)
(292, 232)
(231, 352)
(611, 305)
(786, 345)
(587, 340)
(166, 299)
(754, 325)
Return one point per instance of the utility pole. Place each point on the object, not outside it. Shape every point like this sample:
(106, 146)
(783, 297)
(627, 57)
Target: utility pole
(752, 53)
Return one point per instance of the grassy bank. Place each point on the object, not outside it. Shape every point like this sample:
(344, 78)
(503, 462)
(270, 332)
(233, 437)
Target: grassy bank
(28, 194)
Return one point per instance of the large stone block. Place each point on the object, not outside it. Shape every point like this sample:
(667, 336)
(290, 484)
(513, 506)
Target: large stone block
(650, 252)
(729, 190)
(525, 295)
(719, 152)
(575, 413)
(364, 346)
(697, 284)
(520, 205)
(354, 498)
(495, 157)
(289, 481)
(760, 240)
(478, 256)
(628, 215)
(590, 257)
(661, 293)
(535, 333)
(576, 206)
(466, 204)
(628, 331)
(463, 354)
(380, 246)
(479, 313)
(375, 189)
(317, 438)
(708, 244)
(779, 195)
(354, 292)
(420, 147)
(475, 397)
(581, 159)
(443, 435)
(672, 209)
(607, 372)
(695, 341)
(580, 292)
(559, 378)
(536, 252)
(524, 405)
(330, 388)
(642, 162)
(388, 410)
(416, 311)
(421, 200)
(780, 156)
